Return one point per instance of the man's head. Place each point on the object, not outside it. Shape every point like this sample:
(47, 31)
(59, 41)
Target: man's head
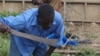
(45, 16)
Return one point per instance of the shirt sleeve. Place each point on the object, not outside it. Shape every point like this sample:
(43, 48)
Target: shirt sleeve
(60, 30)
(16, 22)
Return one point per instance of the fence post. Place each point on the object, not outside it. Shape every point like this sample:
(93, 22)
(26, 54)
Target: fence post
(3, 4)
(23, 4)
(64, 10)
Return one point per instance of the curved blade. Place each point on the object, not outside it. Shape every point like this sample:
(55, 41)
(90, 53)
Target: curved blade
(51, 42)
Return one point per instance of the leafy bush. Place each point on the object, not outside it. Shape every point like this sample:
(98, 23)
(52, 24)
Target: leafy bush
(7, 13)
(4, 39)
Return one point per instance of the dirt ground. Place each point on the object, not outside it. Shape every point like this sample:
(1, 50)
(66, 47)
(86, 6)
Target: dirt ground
(89, 31)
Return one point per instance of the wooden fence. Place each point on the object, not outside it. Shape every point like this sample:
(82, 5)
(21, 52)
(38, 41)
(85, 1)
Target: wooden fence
(82, 13)
(83, 16)
(15, 5)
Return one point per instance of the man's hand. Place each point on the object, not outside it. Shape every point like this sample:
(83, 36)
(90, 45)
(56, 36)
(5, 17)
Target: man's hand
(51, 36)
(4, 28)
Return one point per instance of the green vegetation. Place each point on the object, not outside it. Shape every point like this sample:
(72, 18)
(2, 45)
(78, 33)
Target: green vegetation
(4, 45)
(56, 54)
(7, 13)
(4, 39)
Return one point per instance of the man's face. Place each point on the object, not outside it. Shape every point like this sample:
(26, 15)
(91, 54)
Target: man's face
(45, 22)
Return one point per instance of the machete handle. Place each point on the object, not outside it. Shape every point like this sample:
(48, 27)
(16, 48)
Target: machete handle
(50, 51)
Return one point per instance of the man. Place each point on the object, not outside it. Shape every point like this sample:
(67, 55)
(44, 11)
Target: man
(42, 21)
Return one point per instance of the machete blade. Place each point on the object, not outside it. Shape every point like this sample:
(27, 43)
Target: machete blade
(51, 42)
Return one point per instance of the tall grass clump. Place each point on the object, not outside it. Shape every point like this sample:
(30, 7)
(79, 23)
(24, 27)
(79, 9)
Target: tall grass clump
(4, 39)
(4, 45)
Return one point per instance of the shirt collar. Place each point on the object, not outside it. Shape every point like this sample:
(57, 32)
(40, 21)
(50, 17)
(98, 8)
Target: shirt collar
(35, 22)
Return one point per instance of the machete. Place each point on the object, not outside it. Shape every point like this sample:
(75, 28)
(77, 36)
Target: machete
(51, 42)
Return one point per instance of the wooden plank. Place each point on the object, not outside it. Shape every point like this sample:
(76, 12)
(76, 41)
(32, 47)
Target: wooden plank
(23, 4)
(85, 18)
(13, 0)
(64, 10)
(93, 12)
(71, 1)
(16, 0)
(3, 4)
(82, 1)
(85, 21)
(85, 11)
(65, 51)
(96, 1)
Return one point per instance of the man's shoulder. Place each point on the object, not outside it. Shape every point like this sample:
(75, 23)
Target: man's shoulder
(58, 17)
(30, 10)
(57, 13)
(30, 13)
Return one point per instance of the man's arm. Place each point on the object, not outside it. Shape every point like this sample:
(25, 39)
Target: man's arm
(16, 22)
(10, 22)
(60, 30)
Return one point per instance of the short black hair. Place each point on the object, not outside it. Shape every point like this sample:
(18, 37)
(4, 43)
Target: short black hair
(45, 10)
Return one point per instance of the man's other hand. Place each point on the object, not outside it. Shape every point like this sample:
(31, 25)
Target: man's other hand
(4, 28)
